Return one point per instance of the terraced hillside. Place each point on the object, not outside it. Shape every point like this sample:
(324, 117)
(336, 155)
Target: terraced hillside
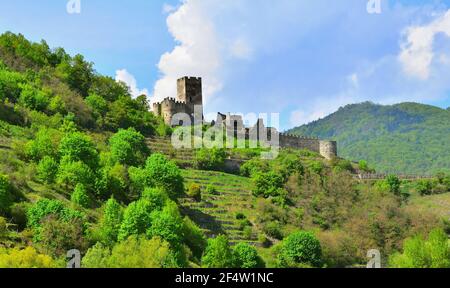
(216, 212)
(183, 157)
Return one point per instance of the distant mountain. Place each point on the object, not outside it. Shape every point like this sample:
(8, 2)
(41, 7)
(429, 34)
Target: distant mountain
(403, 138)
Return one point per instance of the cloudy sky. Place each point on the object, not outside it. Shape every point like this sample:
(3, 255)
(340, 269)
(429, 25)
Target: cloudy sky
(301, 58)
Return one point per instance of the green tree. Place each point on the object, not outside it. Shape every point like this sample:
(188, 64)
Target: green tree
(33, 98)
(26, 258)
(80, 196)
(73, 173)
(136, 220)
(267, 184)
(45, 143)
(194, 237)
(210, 159)
(168, 225)
(421, 253)
(78, 147)
(47, 169)
(5, 194)
(246, 256)
(300, 249)
(128, 147)
(111, 221)
(135, 252)
(218, 253)
(164, 174)
(394, 184)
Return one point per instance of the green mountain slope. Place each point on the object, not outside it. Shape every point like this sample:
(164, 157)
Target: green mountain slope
(403, 138)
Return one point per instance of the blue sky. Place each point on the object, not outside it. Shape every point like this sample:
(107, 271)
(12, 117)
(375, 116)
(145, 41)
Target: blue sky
(301, 58)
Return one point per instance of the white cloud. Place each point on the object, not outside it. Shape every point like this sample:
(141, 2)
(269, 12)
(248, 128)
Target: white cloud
(417, 50)
(124, 76)
(197, 52)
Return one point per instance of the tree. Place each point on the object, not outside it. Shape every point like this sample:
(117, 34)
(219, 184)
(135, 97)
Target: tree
(421, 253)
(218, 253)
(164, 174)
(194, 237)
(136, 220)
(73, 173)
(246, 256)
(111, 221)
(33, 98)
(26, 258)
(45, 143)
(76, 147)
(5, 194)
(135, 252)
(168, 225)
(300, 249)
(47, 169)
(128, 147)
(80, 196)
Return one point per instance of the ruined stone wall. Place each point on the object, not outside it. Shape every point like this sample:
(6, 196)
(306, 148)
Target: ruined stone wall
(328, 149)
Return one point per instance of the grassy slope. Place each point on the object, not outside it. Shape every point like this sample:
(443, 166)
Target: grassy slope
(404, 138)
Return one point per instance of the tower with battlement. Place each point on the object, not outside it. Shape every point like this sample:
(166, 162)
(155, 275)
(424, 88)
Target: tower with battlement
(189, 101)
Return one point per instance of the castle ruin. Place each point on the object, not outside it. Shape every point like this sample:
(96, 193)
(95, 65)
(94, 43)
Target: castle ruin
(190, 101)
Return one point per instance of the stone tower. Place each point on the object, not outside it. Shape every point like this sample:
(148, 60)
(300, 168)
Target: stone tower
(189, 91)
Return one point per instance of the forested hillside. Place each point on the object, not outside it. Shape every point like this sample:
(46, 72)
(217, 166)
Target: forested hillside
(404, 138)
(84, 166)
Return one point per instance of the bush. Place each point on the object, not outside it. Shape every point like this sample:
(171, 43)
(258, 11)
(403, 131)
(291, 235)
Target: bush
(246, 256)
(254, 166)
(300, 249)
(164, 174)
(194, 237)
(195, 192)
(394, 184)
(26, 258)
(218, 253)
(420, 253)
(33, 98)
(272, 229)
(210, 159)
(80, 196)
(47, 169)
(168, 225)
(210, 189)
(72, 173)
(58, 236)
(45, 143)
(128, 147)
(267, 184)
(424, 187)
(5, 194)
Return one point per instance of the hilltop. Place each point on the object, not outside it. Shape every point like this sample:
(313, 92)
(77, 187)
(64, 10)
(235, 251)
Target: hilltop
(408, 138)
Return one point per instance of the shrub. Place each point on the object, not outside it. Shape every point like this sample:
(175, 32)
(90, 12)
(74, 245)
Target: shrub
(300, 249)
(26, 258)
(195, 192)
(240, 216)
(33, 98)
(45, 143)
(272, 229)
(394, 184)
(194, 237)
(47, 207)
(5, 194)
(246, 256)
(58, 236)
(47, 169)
(210, 189)
(267, 184)
(218, 253)
(421, 253)
(210, 159)
(73, 173)
(424, 187)
(80, 196)
(254, 166)
(128, 147)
